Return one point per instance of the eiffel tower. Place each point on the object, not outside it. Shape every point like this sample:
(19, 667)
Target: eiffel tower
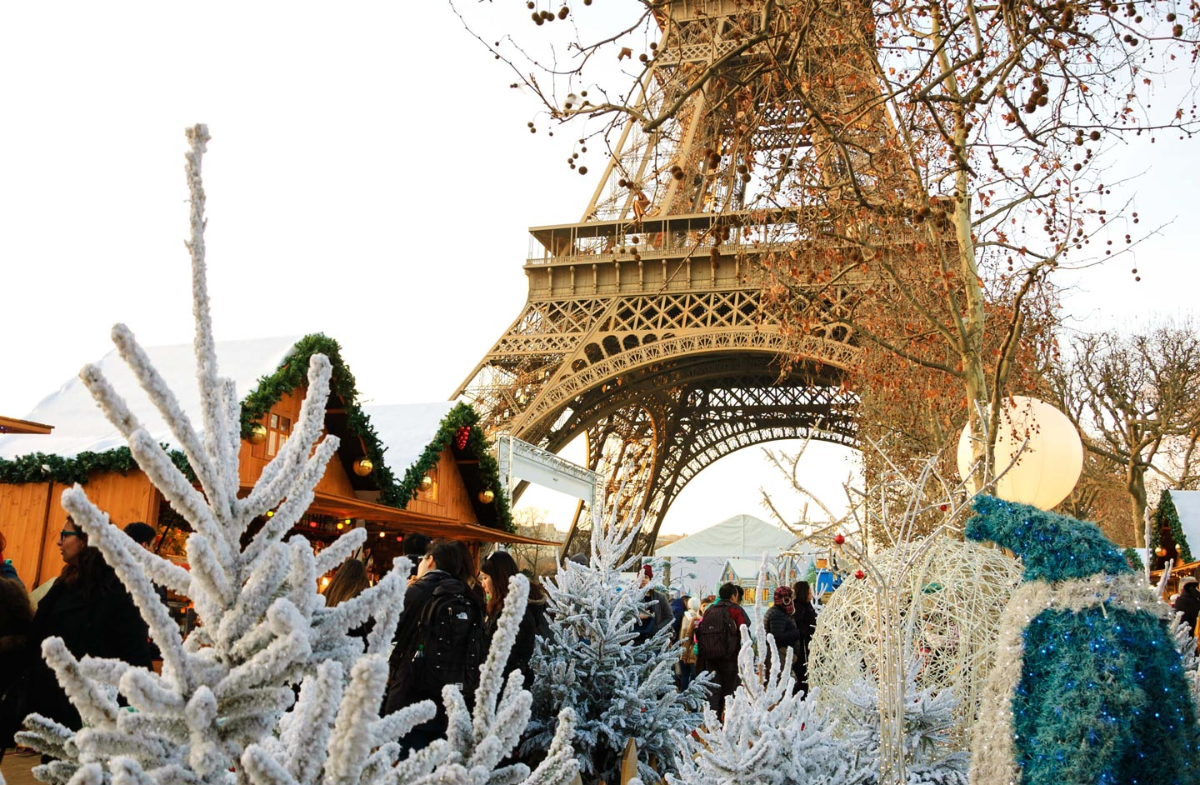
(645, 329)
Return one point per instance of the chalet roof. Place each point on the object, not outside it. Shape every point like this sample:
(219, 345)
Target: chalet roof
(399, 439)
(80, 426)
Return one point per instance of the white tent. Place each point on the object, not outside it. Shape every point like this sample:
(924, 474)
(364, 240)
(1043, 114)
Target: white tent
(698, 560)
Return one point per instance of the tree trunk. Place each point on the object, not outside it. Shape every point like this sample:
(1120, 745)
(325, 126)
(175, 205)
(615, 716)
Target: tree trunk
(1135, 482)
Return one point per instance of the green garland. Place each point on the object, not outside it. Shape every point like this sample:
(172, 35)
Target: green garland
(40, 467)
(1166, 511)
(462, 415)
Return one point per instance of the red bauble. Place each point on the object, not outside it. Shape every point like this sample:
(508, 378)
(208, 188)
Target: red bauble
(838, 539)
(859, 574)
(461, 436)
(944, 507)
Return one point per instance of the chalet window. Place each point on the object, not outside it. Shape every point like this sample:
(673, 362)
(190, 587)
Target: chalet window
(278, 430)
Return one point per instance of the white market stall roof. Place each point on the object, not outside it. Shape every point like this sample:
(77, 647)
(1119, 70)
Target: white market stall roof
(80, 426)
(739, 536)
(406, 430)
(1187, 506)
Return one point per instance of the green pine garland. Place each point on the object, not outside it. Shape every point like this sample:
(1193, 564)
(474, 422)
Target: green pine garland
(1167, 512)
(477, 445)
(40, 467)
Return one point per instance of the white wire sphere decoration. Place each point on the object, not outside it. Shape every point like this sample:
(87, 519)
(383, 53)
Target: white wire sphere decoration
(953, 596)
(1046, 472)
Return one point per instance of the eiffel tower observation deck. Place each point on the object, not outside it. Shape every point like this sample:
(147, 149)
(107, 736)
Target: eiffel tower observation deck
(645, 329)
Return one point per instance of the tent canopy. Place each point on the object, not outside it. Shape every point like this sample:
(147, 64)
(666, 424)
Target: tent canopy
(697, 561)
(739, 536)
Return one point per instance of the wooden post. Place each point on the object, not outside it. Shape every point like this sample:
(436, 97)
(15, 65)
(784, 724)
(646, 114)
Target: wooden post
(629, 763)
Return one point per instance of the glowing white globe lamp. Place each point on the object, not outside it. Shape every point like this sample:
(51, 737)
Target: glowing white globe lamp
(1046, 472)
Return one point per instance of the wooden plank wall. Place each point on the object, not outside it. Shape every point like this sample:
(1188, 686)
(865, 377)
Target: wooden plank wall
(31, 526)
(22, 519)
(448, 498)
(253, 457)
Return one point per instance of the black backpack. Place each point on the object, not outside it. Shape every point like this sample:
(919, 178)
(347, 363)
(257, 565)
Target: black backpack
(451, 644)
(717, 634)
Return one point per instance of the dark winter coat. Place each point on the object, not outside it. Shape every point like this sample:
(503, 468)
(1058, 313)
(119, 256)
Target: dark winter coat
(660, 615)
(1188, 603)
(805, 617)
(15, 616)
(780, 624)
(93, 617)
(401, 690)
(678, 608)
(534, 625)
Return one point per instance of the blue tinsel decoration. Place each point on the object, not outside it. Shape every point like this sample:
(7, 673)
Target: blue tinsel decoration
(1102, 696)
(1053, 547)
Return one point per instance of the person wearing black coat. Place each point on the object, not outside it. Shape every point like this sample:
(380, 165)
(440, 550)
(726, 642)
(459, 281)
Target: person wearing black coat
(806, 622)
(780, 625)
(1188, 602)
(89, 608)
(494, 575)
(445, 569)
(15, 616)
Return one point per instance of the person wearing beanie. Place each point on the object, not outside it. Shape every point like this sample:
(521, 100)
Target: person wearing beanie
(1188, 602)
(656, 610)
(780, 623)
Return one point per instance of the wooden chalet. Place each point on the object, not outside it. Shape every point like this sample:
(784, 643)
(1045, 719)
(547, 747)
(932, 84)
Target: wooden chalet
(398, 470)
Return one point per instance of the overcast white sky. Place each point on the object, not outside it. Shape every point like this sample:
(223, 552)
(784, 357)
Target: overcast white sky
(371, 176)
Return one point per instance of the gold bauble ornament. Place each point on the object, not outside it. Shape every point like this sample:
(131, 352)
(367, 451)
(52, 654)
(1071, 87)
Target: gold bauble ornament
(1160, 552)
(258, 434)
(363, 467)
(486, 496)
(426, 482)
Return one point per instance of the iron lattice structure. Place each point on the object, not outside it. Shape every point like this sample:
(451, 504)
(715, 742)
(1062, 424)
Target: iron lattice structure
(645, 327)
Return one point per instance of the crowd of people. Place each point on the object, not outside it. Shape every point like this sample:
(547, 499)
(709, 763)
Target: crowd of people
(451, 613)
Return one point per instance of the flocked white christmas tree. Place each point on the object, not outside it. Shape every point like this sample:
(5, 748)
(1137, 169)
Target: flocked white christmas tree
(222, 709)
(770, 734)
(618, 688)
(928, 722)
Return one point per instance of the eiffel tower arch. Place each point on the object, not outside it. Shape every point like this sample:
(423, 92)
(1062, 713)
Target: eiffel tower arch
(645, 329)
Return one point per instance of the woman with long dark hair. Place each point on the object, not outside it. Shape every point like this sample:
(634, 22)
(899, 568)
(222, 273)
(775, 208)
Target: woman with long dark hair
(495, 574)
(348, 582)
(89, 608)
(806, 620)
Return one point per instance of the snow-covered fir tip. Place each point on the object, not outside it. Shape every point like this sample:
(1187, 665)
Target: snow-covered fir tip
(219, 711)
(619, 688)
(770, 735)
(928, 723)
(345, 741)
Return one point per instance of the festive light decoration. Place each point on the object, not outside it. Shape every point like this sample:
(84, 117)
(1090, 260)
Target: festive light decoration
(257, 435)
(1088, 685)
(462, 436)
(948, 611)
(1046, 470)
